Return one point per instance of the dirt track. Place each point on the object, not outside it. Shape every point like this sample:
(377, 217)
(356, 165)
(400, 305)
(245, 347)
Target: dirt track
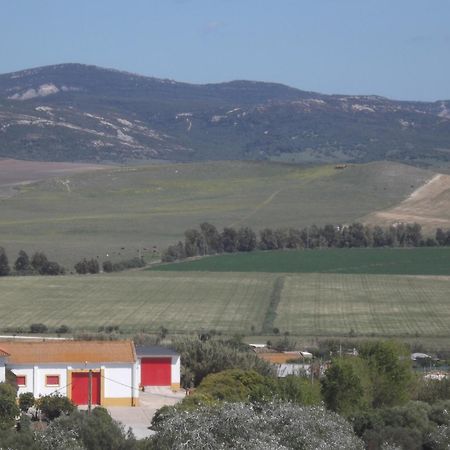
(428, 205)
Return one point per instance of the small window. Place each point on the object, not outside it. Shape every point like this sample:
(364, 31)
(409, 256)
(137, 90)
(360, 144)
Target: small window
(52, 380)
(21, 380)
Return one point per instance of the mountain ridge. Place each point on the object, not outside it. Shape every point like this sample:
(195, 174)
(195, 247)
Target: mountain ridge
(77, 112)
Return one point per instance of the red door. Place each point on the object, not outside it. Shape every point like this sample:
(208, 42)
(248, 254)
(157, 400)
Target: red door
(80, 388)
(156, 372)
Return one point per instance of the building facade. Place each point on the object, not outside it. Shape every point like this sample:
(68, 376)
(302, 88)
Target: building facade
(109, 371)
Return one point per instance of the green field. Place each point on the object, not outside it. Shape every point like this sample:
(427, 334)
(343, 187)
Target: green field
(118, 212)
(249, 303)
(411, 261)
(180, 302)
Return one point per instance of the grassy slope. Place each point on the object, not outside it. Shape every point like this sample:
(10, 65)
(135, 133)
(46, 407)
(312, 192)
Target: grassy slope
(120, 210)
(414, 261)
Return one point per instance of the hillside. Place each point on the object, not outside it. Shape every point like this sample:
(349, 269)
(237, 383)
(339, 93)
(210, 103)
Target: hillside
(120, 212)
(74, 112)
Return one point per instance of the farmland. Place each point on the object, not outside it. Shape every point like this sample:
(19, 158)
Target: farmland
(401, 261)
(180, 302)
(248, 303)
(120, 211)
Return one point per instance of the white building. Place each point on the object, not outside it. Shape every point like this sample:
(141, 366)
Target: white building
(158, 366)
(69, 367)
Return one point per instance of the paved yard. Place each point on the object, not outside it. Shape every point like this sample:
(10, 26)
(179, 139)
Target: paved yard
(139, 418)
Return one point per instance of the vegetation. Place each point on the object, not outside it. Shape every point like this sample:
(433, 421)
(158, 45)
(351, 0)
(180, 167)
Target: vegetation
(120, 213)
(8, 406)
(326, 305)
(237, 120)
(74, 431)
(380, 376)
(208, 241)
(133, 263)
(53, 406)
(201, 358)
(246, 426)
(83, 267)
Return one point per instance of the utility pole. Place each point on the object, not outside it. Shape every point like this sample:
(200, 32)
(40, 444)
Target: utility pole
(90, 392)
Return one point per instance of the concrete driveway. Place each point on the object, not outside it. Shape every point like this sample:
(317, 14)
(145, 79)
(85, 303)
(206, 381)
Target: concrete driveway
(138, 418)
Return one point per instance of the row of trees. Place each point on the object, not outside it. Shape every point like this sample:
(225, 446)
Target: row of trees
(92, 265)
(38, 264)
(208, 240)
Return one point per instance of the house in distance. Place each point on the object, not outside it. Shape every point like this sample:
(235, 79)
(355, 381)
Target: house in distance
(112, 368)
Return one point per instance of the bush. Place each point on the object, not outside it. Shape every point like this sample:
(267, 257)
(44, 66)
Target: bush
(8, 406)
(53, 406)
(26, 401)
(63, 329)
(92, 432)
(38, 328)
(200, 358)
(85, 266)
(107, 266)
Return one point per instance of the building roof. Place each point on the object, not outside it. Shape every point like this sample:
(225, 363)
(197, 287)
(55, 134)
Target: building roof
(69, 352)
(280, 358)
(154, 350)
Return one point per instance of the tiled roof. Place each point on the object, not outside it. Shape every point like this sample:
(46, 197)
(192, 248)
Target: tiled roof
(280, 358)
(3, 353)
(69, 352)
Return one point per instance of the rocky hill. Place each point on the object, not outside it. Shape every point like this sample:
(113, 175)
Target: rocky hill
(74, 112)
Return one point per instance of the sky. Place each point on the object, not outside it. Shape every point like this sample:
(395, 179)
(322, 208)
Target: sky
(394, 48)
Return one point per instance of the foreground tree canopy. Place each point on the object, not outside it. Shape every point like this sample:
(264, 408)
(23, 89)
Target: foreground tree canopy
(255, 427)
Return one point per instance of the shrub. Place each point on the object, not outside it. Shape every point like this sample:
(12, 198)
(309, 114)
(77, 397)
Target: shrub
(26, 401)
(53, 406)
(63, 329)
(38, 328)
(201, 358)
(107, 266)
(8, 406)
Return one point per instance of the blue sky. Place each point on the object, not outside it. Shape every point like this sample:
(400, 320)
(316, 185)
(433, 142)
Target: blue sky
(396, 48)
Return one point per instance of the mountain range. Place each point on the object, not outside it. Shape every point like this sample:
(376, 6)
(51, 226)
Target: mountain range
(81, 113)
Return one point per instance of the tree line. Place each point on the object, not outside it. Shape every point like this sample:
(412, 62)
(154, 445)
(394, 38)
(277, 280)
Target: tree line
(38, 264)
(207, 240)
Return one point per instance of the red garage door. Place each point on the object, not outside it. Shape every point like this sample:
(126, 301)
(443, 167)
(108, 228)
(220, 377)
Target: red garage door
(156, 372)
(80, 388)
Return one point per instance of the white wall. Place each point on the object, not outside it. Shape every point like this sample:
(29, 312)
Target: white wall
(2, 370)
(29, 374)
(119, 380)
(175, 369)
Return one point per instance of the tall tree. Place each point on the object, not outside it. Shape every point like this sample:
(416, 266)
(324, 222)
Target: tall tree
(22, 264)
(229, 240)
(390, 371)
(246, 239)
(4, 263)
(38, 261)
(212, 238)
(346, 386)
